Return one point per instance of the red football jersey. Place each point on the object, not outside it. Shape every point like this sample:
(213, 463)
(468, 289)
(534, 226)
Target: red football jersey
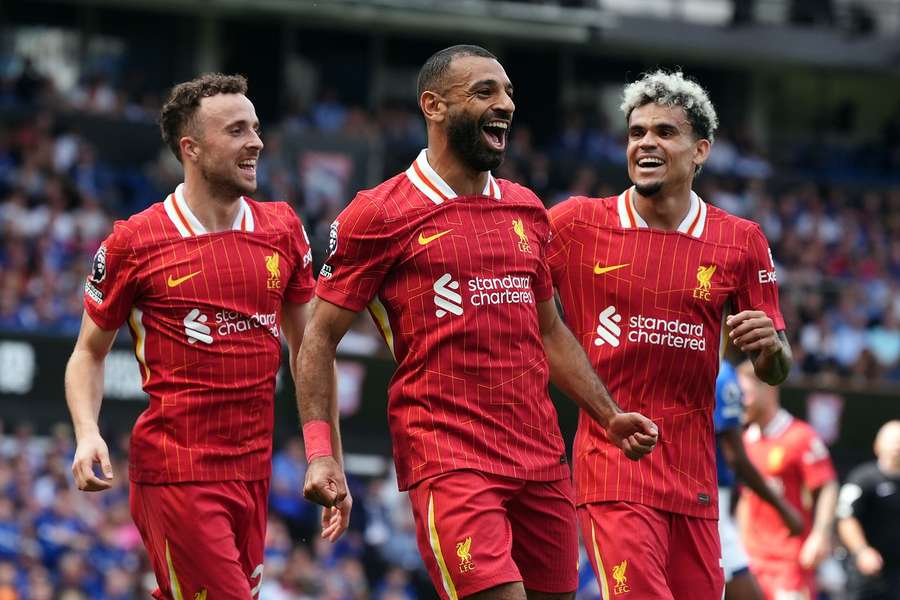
(648, 307)
(452, 284)
(795, 461)
(204, 311)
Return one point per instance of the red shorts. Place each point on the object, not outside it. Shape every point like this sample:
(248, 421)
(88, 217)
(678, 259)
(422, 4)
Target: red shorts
(640, 553)
(477, 531)
(203, 537)
(784, 580)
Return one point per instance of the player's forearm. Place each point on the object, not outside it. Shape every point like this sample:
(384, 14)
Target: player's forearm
(571, 372)
(852, 535)
(84, 391)
(825, 502)
(316, 383)
(752, 478)
(773, 366)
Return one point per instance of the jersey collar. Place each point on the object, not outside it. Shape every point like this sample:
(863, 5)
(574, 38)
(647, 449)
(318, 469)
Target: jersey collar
(189, 225)
(778, 425)
(692, 224)
(436, 189)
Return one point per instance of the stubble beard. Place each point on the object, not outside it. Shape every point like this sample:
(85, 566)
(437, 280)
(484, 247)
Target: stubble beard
(648, 190)
(225, 185)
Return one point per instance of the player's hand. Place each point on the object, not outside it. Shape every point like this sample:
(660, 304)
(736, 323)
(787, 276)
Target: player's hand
(634, 433)
(325, 482)
(815, 549)
(791, 518)
(92, 449)
(753, 331)
(869, 561)
(336, 519)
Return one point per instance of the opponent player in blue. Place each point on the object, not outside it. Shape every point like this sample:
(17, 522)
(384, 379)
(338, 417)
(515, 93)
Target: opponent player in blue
(739, 581)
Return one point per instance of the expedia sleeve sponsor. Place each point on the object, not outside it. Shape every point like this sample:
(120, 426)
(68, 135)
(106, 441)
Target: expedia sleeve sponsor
(759, 288)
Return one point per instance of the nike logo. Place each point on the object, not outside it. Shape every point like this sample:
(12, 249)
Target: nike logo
(598, 270)
(176, 282)
(425, 240)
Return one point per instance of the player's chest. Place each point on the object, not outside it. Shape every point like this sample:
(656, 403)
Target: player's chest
(232, 270)
(477, 239)
(636, 269)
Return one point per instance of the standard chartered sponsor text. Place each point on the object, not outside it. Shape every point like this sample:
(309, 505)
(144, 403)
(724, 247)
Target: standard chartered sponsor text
(510, 289)
(662, 332)
(229, 322)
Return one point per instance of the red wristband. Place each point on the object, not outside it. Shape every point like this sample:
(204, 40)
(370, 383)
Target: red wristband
(317, 439)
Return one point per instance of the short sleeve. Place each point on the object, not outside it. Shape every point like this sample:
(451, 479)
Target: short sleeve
(853, 501)
(110, 289)
(543, 285)
(815, 463)
(759, 288)
(562, 218)
(302, 284)
(361, 250)
(728, 401)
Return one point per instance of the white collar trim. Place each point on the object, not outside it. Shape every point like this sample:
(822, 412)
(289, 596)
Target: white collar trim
(187, 223)
(435, 188)
(692, 224)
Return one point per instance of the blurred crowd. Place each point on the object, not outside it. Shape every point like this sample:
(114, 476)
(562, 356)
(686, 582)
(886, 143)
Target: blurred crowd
(837, 248)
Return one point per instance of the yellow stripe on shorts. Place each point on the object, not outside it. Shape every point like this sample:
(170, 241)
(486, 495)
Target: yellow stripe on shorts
(438, 555)
(173, 578)
(601, 576)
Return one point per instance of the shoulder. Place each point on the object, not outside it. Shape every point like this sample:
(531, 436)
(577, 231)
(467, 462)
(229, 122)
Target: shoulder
(274, 215)
(515, 192)
(150, 225)
(744, 227)
(865, 475)
(583, 208)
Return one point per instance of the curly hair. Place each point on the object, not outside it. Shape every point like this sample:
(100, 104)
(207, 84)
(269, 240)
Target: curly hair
(177, 114)
(673, 89)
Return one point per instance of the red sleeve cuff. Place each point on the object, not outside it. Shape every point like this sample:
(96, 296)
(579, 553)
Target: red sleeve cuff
(327, 292)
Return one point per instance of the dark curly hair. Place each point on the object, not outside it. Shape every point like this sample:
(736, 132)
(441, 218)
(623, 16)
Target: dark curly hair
(179, 110)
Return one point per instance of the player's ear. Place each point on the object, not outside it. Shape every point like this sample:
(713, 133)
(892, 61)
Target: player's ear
(433, 106)
(190, 148)
(701, 151)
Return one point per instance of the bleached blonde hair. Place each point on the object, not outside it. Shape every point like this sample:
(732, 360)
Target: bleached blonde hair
(673, 89)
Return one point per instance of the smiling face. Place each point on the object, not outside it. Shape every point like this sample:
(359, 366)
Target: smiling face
(479, 111)
(663, 151)
(226, 143)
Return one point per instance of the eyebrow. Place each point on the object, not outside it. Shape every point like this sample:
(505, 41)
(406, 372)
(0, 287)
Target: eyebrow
(492, 82)
(241, 122)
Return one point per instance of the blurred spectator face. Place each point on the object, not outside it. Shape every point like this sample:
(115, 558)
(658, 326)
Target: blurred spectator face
(663, 150)
(479, 111)
(227, 144)
(760, 399)
(887, 446)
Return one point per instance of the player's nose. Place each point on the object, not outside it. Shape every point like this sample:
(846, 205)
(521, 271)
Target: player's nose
(255, 142)
(505, 103)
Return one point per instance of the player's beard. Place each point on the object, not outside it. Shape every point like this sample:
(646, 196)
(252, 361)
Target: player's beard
(224, 184)
(648, 190)
(464, 134)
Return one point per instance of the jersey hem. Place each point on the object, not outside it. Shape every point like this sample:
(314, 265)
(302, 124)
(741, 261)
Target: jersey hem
(712, 514)
(554, 473)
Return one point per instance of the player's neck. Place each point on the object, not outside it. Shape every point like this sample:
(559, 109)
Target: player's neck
(663, 210)
(461, 179)
(888, 468)
(767, 416)
(213, 211)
